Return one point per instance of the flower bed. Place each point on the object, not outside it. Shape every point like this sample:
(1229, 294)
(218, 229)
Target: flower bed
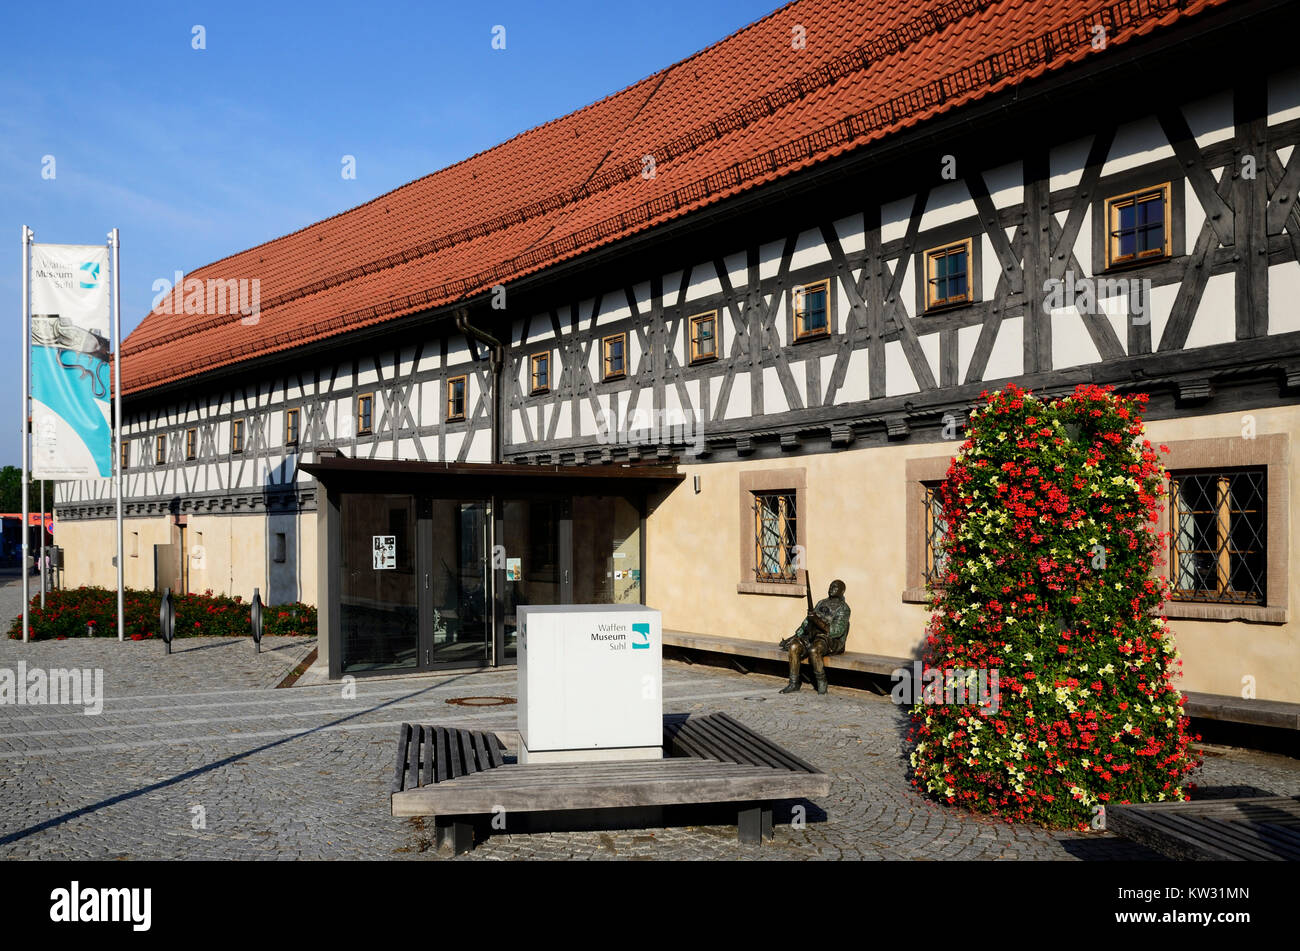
(1049, 581)
(92, 612)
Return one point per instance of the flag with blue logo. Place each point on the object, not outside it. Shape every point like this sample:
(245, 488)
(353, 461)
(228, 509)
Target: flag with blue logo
(71, 382)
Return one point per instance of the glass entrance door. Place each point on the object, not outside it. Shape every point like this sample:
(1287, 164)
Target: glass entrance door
(379, 595)
(534, 539)
(459, 603)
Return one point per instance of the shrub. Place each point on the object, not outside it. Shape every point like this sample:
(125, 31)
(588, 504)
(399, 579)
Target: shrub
(92, 612)
(1048, 577)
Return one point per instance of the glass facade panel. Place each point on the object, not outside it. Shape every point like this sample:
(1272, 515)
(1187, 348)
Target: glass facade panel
(532, 553)
(606, 550)
(378, 598)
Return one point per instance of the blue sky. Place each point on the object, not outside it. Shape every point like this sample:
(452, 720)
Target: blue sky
(195, 154)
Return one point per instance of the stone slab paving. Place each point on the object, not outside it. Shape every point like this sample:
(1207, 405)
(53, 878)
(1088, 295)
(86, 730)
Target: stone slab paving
(194, 757)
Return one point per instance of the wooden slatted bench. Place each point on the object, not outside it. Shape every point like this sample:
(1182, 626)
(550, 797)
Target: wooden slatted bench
(1260, 829)
(454, 775)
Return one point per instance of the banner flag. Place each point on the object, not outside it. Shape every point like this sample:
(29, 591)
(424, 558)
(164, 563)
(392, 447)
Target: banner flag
(72, 435)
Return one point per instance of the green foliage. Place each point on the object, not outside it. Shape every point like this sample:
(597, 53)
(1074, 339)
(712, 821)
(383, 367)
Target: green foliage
(11, 491)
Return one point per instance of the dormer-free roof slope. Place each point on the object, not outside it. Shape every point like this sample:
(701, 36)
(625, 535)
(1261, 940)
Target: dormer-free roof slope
(752, 108)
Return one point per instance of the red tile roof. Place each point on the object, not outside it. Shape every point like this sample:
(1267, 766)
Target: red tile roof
(749, 109)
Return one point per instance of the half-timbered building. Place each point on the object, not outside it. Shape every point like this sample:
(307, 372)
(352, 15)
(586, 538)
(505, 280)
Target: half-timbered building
(727, 324)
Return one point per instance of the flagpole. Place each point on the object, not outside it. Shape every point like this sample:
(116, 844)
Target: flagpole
(117, 427)
(24, 417)
(42, 538)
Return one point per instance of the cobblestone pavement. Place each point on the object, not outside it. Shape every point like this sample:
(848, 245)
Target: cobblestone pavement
(193, 757)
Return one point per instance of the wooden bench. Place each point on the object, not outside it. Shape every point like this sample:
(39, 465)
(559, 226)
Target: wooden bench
(1259, 829)
(454, 775)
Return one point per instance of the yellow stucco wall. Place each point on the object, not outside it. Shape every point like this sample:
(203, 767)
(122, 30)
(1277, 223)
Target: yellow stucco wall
(227, 554)
(856, 531)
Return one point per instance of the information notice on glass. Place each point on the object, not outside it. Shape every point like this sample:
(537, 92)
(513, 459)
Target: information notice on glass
(385, 552)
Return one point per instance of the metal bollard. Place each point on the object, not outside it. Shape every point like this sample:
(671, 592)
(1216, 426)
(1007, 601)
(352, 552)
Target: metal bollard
(255, 613)
(167, 619)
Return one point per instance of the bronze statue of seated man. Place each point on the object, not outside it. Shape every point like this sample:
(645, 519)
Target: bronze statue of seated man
(822, 633)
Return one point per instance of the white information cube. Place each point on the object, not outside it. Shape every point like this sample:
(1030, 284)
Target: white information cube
(590, 682)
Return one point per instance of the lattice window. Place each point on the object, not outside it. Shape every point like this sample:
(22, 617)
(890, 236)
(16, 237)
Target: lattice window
(1218, 520)
(775, 536)
(936, 530)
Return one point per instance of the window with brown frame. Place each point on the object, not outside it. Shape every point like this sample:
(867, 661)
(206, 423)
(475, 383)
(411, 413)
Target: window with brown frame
(1219, 536)
(291, 427)
(237, 436)
(540, 371)
(614, 356)
(160, 449)
(365, 413)
(191, 443)
(811, 304)
(704, 337)
(776, 550)
(948, 276)
(125, 458)
(456, 398)
(1137, 226)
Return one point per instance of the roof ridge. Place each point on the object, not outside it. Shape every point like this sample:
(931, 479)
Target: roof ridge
(1070, 38)
(934, 19)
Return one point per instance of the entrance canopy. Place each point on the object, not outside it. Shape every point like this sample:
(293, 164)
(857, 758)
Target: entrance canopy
(340, 468)
(423, 565)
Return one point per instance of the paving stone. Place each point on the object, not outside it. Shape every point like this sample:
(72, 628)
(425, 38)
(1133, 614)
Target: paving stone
(303, 773)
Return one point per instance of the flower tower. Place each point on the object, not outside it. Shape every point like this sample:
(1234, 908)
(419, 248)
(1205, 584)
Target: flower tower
(1048, 581)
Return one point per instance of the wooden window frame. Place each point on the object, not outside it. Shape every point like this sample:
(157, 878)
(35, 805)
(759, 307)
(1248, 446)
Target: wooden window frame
(236, 436)
(798, 294)
(757, 482)
(463, 380)
(692, 323)
(605, 373)
(369, 400)
(292, 433)
(1114, 202)
(532, 373)
(928, 259)
(124, 455)
(160, 450)
(191, 444)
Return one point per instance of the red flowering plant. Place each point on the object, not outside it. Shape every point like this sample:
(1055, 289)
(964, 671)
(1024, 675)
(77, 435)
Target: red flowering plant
(92, 612)
(1048, 578)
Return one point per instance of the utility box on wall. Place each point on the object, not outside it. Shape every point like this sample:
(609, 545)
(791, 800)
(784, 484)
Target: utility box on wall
(590, 682)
